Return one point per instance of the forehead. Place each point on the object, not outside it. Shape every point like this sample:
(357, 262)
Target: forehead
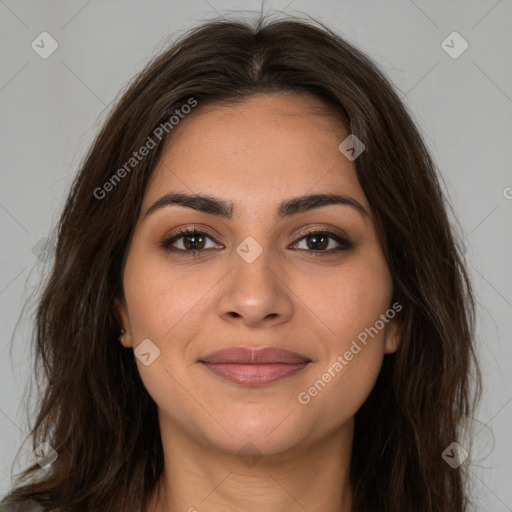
(264, 148)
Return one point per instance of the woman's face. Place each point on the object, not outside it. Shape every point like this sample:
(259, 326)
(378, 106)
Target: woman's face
(258, 281)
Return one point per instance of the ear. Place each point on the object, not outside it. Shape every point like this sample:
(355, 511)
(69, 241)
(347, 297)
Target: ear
(122, 316)
(393, 336)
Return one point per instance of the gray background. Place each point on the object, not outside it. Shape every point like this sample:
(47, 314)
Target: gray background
(51, 109)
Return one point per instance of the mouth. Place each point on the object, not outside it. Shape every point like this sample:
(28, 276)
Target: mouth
(252, 367)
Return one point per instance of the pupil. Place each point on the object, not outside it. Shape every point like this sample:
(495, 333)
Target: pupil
(315, 244)
(194, 238)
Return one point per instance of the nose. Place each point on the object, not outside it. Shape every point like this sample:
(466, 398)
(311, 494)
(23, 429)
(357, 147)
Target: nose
(256, 293)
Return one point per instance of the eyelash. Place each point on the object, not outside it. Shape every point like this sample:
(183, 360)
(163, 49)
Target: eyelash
(344, 243)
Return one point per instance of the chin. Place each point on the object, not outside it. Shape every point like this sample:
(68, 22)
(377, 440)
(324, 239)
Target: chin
(260, 432)
(256, 445)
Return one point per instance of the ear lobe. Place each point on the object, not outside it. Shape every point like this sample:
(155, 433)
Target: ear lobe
(393, 337)
(122, 318)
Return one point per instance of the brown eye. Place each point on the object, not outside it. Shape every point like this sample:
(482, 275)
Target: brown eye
(191, 241)
(319, 241)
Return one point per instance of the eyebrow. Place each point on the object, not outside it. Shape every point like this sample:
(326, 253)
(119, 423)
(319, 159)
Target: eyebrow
(222, 208)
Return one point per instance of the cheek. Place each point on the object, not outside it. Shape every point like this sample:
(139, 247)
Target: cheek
(162, 302)
(350, 298)
(165, 309)
(350, 302)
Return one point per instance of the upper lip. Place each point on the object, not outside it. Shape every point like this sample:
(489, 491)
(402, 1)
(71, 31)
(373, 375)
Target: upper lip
(245, 355)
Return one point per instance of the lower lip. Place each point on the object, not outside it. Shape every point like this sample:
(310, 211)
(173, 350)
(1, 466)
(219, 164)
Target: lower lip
(254, 374)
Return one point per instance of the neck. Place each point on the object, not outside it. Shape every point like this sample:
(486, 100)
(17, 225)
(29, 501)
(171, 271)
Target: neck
(198, 477)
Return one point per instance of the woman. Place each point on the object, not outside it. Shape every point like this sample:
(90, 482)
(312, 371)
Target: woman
(257, 302)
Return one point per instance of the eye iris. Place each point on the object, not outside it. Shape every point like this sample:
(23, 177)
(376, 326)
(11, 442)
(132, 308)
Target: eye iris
(316, 244)
(194, 239)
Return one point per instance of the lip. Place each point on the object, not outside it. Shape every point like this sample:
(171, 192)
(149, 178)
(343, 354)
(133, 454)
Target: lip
(252, 367)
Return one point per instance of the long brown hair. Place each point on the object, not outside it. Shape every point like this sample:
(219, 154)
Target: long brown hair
(95, 411)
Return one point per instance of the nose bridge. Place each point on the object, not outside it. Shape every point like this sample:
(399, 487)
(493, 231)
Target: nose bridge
(252, 270)
(255, 291)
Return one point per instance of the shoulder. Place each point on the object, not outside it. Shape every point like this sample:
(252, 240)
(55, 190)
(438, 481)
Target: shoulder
(25, 506)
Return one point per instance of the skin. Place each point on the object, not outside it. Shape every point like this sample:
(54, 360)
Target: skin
(256, 153)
